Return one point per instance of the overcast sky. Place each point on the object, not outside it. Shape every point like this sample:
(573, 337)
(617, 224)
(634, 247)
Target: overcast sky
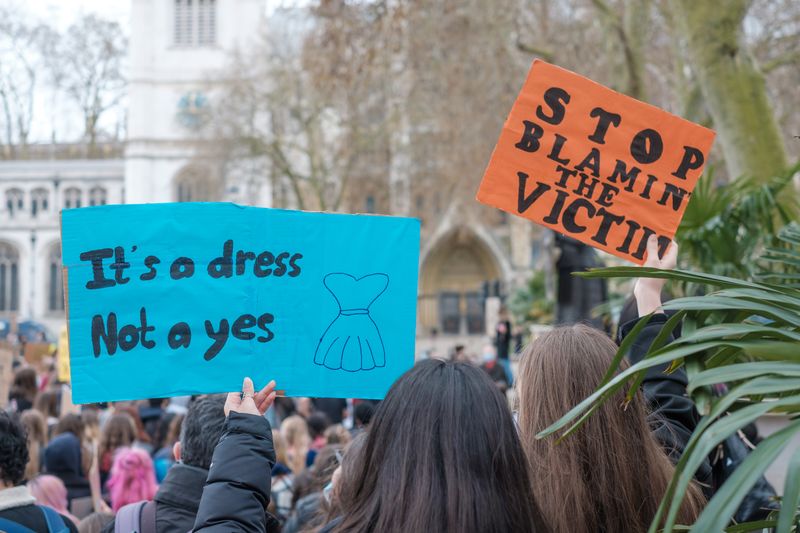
(55, 113)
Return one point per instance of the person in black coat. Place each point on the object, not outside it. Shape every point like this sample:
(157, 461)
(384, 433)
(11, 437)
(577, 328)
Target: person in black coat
(237, 491)
(178, 497)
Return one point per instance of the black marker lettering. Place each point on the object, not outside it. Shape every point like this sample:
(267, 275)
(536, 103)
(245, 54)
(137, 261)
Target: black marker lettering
(119, 265)
(281, 270)
(263, 261)
(241, 261)
(220, 337)
(149, 262)
(263, 320)
(222, 266)
(295, 267)
(100, 281)
(241, 324)
(182, 267)
(180, 335)
(109, 336)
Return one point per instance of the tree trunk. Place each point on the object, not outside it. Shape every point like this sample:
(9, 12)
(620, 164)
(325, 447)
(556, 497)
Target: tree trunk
(732, 85)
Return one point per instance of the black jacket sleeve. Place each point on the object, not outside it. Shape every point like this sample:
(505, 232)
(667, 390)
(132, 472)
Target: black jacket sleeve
(673, 414)
(237, 490)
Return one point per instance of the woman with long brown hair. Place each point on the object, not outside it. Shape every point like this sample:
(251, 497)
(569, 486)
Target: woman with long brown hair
(36, 431)
(442, 454)
(119, 432)
(23, 390)
(611, 474)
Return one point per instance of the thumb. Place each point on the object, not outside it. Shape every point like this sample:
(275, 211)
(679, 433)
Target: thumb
(652, 252)
(247, 388)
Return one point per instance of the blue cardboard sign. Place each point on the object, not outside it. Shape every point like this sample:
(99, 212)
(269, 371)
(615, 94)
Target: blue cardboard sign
(173, 299)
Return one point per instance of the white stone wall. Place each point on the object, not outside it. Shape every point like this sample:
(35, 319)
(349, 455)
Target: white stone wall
(33, 236)
(161, 73)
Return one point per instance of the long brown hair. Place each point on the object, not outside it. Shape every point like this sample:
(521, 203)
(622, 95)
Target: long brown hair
(442, 454)
(119, 432)
(36, 430)
(611, 474)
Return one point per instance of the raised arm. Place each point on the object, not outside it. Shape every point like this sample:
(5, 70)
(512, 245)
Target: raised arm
(237, 490)
(673, 413)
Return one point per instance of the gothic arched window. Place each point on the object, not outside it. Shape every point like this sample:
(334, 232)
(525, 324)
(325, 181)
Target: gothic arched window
(55, 292)
(72, 197)
(98, 196)
(15, 201)
(9, 277)
(40, 199)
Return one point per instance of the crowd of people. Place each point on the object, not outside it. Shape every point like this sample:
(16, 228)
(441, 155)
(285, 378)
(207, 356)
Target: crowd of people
(443, 451)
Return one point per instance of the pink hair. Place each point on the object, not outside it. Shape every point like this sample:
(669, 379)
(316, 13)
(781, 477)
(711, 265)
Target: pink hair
(132, 478)
(51, 492)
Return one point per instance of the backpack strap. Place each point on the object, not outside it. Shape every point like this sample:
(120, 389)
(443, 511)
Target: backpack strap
(55, 524)
(129, 518)
(148, 518)
(7, 526)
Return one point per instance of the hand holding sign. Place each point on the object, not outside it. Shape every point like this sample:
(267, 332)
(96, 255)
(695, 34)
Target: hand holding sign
(250, 402)
(647, 291)
(594, 164)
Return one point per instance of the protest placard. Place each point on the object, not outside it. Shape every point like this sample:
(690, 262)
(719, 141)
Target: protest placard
(34, 352)
(62, 356)
(594, 164)
(173, 299)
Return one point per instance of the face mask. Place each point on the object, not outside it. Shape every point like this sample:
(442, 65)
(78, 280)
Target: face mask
(488, 357)
(328, 491)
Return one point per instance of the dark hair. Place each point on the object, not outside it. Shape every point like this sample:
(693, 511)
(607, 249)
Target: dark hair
(363, 411)
(13, 449)
(442, 454)
(156, 402)
(70, 423)
(352, 458)
(24, 384)
(161, 434)
(201, 430)
(318, 422)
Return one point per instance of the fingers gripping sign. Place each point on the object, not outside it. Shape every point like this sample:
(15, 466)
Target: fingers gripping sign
(250, 402)
(647, 291)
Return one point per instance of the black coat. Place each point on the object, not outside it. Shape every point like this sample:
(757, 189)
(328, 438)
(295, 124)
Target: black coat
(673, 414)
(177, 499)
(32, 517)
(237, 491)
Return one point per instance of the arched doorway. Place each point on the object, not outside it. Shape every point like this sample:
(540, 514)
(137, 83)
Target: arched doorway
(453, 282)
(194, 183)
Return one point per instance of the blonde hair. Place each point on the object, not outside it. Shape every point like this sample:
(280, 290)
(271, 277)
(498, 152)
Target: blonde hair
(611, 474)
(295, 432)
(280, 446)
(336, 434)
(36, 430)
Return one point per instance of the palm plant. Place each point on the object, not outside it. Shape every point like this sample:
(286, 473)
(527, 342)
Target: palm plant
(727, 226)
(743, 333)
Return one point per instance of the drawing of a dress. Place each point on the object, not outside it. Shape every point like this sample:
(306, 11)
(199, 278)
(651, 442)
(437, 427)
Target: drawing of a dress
(352, 342)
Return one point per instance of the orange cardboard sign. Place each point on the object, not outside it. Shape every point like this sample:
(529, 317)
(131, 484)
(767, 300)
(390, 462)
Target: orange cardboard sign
(594, 164)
